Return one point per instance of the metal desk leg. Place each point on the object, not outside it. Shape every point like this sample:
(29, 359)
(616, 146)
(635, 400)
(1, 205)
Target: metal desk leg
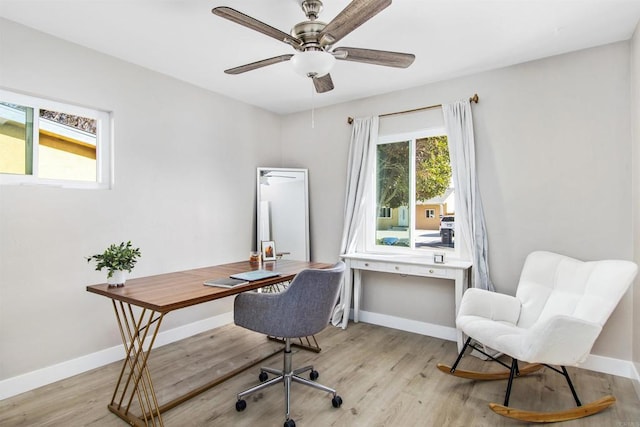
(138, 333)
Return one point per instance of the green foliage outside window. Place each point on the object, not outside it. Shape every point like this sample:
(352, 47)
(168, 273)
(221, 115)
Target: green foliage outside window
(433, 170)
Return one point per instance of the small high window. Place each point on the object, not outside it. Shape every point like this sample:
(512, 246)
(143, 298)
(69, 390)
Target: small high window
(47, 142)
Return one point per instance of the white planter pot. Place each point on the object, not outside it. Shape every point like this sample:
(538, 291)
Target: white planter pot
(118, 278)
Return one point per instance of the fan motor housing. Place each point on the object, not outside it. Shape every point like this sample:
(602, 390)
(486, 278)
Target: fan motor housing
(308, 31)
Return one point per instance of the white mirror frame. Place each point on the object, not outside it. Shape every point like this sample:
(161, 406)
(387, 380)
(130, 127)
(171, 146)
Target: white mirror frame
(283, 216)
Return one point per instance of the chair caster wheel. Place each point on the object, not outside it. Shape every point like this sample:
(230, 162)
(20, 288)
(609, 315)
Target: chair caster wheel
(336, 401)
(241, 405)
(313, 375)
(263, 377)
(289, 423)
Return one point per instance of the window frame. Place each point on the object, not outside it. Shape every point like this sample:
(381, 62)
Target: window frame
(371, 209)
(104, 143)
(385, 208)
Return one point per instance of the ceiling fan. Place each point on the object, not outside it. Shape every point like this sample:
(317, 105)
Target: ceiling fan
(314, 39)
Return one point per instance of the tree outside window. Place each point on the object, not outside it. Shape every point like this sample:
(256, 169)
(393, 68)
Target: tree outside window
(410, 175)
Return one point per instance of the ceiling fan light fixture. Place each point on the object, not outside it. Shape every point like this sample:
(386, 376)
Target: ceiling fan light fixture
(313, 63)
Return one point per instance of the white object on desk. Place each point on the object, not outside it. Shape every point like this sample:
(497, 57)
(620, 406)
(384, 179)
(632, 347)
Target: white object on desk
(458, 271)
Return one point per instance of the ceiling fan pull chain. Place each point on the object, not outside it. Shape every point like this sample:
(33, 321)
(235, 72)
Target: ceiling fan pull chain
(313, 106)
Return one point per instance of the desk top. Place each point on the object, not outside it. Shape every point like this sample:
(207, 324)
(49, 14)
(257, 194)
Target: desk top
(172, 291)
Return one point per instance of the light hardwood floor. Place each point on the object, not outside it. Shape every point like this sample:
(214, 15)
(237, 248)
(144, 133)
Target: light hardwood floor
(386, 377)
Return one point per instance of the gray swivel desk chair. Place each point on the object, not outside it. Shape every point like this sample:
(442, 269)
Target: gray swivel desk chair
(302, 309)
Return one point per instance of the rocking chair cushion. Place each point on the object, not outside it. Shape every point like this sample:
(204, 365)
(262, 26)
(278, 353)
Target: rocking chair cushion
(489, 305)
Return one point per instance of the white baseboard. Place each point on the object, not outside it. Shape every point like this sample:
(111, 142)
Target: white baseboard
(41, 377)
(609, 365)
(422, 328)
(606, 365)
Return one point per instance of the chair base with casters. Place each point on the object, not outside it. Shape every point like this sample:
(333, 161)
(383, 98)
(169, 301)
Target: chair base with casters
(514, 371)
(287, 375)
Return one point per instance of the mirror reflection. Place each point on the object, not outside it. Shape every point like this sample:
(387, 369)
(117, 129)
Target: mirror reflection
(282, 211)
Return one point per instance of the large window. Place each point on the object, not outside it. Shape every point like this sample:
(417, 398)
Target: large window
(413, 187)
(46, 142)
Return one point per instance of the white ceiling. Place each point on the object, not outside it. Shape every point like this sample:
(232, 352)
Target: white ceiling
(450, 38)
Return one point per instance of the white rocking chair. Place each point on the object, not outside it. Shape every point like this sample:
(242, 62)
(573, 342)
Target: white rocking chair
(560, 307)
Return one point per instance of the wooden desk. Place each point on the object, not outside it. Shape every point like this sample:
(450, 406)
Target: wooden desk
(458, 271)
(140, 307)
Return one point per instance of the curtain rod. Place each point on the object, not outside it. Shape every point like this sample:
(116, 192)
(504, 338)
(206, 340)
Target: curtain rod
(474, 98)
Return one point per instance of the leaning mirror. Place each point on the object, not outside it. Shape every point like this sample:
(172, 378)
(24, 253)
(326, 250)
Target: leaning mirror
(282, 211)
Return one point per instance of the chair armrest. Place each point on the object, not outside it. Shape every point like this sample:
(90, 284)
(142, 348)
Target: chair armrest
(490, 305)
(260, 312)
(560, 340)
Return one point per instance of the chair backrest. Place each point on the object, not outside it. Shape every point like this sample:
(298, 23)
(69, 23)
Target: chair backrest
(552, 284)
(310, 299)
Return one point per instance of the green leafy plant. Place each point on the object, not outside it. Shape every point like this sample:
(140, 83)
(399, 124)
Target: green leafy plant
(116, 257)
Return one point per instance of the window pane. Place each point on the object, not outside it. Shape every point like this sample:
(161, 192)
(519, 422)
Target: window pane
(16, 124)
(67, 146)
(434, 194)
(393, 192)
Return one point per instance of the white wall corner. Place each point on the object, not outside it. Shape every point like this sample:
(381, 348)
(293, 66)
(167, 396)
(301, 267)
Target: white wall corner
(41, 377)
(636, 378)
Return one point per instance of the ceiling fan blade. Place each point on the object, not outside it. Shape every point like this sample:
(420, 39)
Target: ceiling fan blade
(323, 84)
(258, 64)
(355, 14)
(252, 23)
(378, 57)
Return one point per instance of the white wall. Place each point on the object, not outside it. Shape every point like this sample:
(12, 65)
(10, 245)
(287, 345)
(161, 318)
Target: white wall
(184, 193)
(554, 162)
(635, 130)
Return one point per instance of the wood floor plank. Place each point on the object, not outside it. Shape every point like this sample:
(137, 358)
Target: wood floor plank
(386, 377)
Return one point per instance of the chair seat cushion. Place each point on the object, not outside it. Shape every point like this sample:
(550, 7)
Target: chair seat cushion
(502, 336)
(560, 340)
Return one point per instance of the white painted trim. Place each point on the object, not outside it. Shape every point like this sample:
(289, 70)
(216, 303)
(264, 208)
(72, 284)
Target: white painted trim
(422, 328)
(41, 377)
(609, 365)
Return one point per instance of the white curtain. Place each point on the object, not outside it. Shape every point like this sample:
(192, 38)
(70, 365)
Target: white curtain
(364, 131)
(470, 224)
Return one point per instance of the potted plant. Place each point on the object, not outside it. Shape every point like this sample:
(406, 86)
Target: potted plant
(118, 260)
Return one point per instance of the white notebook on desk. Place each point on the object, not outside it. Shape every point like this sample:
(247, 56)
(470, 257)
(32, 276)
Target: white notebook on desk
(225, 282)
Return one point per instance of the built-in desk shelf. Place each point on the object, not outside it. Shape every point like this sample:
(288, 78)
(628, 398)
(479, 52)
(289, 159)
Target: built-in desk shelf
(455, 270)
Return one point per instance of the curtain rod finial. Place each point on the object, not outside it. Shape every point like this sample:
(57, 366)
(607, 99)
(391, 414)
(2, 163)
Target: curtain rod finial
(350, 120)
(474, 98)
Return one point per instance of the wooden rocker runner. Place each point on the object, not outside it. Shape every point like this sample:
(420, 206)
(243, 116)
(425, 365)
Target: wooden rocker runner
(554, 319)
